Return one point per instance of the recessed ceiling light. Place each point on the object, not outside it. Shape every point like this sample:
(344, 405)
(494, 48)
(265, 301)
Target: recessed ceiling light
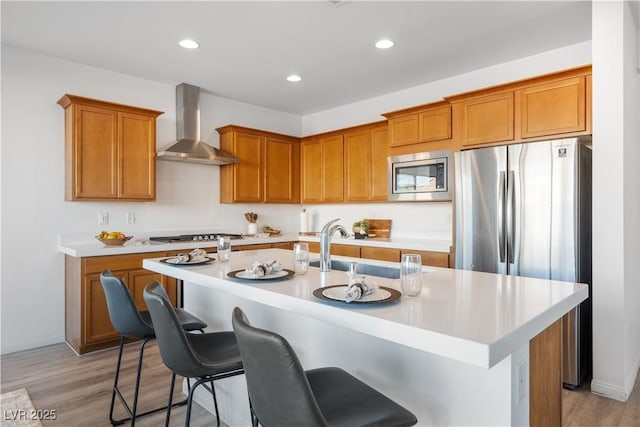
(384, 44)
(189, 44)
(294, 78)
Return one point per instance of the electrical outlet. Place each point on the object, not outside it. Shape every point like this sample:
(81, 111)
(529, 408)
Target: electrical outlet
(131, 218)
(103, 218)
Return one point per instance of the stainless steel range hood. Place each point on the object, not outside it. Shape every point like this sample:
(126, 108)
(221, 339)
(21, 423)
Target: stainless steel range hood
(188, 147)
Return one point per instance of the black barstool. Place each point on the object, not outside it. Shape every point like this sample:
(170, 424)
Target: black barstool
(129, 322)
(207, 357)
(281, 393)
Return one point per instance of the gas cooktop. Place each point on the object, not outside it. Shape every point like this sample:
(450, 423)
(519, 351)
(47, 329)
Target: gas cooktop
(188, 238)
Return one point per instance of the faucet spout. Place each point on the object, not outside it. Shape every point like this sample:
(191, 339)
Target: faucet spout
(326, 233)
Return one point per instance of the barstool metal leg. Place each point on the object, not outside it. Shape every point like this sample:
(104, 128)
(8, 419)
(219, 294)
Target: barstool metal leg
(115, 386)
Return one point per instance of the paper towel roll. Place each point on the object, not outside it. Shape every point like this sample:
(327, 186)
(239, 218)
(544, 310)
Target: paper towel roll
(304, 221)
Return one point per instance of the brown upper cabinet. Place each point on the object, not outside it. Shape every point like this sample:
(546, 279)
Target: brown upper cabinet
(365, 163)
(555, 105)
(486, 119)
(428, 125)
(322, 168)
(349, 165)
(269, 167)
(553, 108)
(110, 150)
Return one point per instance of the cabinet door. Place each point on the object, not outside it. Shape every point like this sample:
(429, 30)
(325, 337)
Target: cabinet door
(404, 130)
(247, 175)
(311, 171)
(139, 279)
(93, 155)
(357, 165)
(280, 158)
(488, 119)
(136, 156)
(435, 124)
(379, 154)
(553, 108)
(96, 324)
(332, 168)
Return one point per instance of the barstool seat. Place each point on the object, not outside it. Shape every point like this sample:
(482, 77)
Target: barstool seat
(207, 357)
(132, 323)
(281, 393)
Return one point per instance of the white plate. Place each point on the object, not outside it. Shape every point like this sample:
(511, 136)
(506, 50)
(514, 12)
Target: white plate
(245, 275)
(337, 293)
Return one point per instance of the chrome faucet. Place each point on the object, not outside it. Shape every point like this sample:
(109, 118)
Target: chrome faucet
(325, 242)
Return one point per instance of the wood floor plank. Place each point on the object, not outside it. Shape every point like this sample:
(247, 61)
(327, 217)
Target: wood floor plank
(79, 387)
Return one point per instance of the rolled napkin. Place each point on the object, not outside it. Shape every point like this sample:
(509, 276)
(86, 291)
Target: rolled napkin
(196, 255)
(357, 289)
(261, 269)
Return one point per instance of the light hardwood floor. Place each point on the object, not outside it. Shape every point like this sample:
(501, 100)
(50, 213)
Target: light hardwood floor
(79, 389)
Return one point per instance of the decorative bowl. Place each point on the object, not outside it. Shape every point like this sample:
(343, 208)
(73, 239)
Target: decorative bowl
(114, 242)
(271, 231)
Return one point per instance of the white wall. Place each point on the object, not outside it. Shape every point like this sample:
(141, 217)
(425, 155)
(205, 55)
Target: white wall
(428, 220)
(33, 208)
(616, 214)
(370, 110)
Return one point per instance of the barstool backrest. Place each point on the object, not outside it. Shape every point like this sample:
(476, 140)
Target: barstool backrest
(124, 315)
(175, 350)
(278, 387)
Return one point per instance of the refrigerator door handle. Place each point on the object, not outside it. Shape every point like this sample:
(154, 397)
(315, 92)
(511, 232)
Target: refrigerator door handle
(501, 208)
(510, 214)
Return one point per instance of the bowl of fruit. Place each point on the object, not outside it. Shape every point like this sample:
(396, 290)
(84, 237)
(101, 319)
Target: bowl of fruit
(272, 232)
(113, 238)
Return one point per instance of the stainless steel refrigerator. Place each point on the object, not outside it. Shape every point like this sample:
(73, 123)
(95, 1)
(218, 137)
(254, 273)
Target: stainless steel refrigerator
(525, 210)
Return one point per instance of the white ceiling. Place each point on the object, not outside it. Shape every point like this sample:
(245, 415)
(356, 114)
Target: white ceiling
(248, 48)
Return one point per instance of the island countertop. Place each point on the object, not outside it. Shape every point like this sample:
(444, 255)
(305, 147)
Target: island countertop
(472, 317)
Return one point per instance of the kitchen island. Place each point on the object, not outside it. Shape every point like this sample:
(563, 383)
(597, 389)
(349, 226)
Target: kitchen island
(456, 355)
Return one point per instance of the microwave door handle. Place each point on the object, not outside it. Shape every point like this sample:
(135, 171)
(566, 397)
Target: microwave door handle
(501, 208)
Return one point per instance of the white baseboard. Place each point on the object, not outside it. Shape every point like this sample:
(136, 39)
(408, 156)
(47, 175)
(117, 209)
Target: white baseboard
(608, 390)
(28, 345)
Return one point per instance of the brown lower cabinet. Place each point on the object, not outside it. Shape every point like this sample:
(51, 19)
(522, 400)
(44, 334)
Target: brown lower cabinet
(435, 259)
(87, 324)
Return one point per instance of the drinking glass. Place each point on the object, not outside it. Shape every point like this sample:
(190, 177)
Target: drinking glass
(411, 274)
(300, 258)
(224, 248)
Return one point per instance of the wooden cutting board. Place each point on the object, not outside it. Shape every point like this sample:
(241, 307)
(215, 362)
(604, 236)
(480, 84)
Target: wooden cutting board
(380, 227)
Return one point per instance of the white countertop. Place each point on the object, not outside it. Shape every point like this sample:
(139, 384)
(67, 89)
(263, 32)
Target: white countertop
(477, 318)
(84, 246)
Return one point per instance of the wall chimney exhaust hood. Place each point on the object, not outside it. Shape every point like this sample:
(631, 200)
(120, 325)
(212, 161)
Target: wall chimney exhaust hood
(188, 147)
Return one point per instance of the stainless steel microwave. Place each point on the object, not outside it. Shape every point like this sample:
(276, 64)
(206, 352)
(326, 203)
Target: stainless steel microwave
(421, 176)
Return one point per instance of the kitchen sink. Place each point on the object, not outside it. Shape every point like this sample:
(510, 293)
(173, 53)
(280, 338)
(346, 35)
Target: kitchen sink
(365, 269)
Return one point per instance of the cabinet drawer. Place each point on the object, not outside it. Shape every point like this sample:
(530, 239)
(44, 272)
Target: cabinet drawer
(117, 262)
(435, 259)
(251, 247)
(345, 250)
(383, 254)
